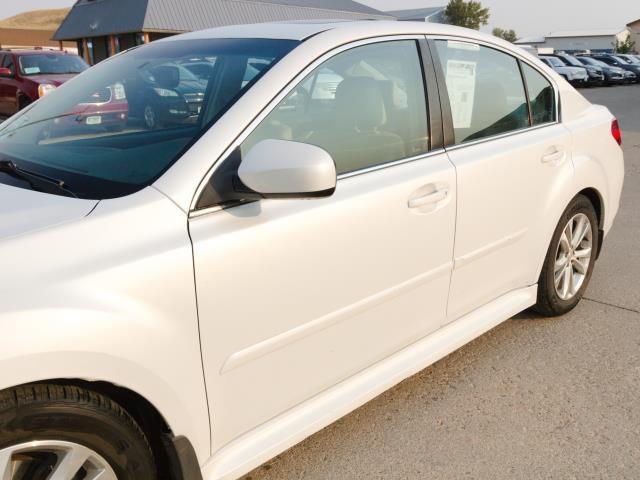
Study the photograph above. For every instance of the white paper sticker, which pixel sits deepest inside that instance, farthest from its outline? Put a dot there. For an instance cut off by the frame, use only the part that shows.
(31, 70)
(461, 83)
(473, 47)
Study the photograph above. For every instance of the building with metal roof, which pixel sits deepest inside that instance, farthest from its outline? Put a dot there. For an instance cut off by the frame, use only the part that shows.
(433, 15)
(597, 40)
(105, 27)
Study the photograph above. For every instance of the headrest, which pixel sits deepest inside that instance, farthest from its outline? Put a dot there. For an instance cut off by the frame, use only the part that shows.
(360, 103)
(167, 76)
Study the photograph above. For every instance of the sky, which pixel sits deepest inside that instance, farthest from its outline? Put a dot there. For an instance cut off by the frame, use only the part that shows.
(538, 17)
(526, 17)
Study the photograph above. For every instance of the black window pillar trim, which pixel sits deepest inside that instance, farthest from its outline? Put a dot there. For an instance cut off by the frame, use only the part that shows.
(526, 91)
(436, 134)
(445, 106)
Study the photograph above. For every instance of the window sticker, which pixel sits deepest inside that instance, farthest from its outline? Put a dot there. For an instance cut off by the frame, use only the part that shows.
(461, 83)
(31, 70)
(472, 47)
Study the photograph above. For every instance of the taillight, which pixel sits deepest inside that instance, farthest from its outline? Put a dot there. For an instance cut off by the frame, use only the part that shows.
(615, 131)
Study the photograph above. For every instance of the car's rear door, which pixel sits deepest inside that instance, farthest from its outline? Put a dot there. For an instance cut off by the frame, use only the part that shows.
(509, 158)
(295, 296)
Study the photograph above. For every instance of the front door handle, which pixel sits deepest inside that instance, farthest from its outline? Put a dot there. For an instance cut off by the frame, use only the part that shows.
(429, 199)
(554, 156)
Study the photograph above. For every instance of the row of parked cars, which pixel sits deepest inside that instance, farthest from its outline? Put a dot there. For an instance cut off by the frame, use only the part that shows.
(595, 69)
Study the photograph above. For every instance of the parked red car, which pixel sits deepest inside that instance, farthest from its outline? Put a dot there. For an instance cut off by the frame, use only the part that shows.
(26, 75)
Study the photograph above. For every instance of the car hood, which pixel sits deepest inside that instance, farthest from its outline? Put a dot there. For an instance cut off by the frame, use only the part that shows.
(56, 80)
(23, 211)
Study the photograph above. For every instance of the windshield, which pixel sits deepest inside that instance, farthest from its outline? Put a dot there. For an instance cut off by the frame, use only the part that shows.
(51, 64)
(592, 61)
(556, 62)
(572, 61)
(117, 127)
(631, 59)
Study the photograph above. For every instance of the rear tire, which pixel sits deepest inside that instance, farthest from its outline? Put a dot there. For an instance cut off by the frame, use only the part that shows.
(64, 419)
(568, 265)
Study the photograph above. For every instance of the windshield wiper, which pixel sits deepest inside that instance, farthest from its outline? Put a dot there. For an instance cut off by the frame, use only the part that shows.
(32, 178)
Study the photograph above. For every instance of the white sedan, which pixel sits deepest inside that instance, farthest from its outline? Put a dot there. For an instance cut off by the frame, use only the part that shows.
(349, 203)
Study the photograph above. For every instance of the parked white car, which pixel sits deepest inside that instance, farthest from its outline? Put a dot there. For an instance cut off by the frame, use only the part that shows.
(188, 300)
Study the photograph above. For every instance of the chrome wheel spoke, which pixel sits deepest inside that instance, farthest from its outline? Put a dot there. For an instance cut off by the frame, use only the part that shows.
(70, 460)
(579, 267)
(580, 230)
(5, 465)
(573, 256)
(560, 264)
(584, 253)
(70, 463)
(104, 475)
(565, 244)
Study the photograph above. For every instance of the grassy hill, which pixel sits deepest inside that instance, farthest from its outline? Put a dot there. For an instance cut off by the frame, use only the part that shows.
(37, 19)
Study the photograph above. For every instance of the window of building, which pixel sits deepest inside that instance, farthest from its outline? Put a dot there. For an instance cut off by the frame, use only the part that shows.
(485, 90)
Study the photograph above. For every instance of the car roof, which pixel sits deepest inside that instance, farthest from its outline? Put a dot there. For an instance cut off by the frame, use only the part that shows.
(34, 51)
(301, 30)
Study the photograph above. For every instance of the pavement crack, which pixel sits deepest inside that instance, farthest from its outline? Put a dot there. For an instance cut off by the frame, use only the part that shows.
(612, 305)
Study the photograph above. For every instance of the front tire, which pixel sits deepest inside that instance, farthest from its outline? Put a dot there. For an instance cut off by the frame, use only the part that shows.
(570, 259)
(71, 432)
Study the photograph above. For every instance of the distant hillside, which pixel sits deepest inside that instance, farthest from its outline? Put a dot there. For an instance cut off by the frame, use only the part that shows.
(37, 19)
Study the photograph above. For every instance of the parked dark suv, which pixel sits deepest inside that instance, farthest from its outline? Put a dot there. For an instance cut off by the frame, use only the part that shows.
(26, 75)
(596, 74)
(620, 63)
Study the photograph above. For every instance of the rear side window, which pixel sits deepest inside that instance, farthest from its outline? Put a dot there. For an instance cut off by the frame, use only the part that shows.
(366, 107)
(485, 89)
(541, 96)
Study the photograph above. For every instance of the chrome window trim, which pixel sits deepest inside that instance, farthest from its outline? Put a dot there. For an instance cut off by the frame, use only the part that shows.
(525, 61)
(193, 211)
(501, 136)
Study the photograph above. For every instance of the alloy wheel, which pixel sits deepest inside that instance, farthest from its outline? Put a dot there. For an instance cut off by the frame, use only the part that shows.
(53, 460)
(573, 256)
(150, 117)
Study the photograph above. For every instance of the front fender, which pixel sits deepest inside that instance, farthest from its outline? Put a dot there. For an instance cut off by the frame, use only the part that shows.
(109, 297)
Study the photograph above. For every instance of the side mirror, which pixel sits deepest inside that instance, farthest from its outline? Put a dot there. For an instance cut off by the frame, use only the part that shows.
(6, 72)
(283, 169)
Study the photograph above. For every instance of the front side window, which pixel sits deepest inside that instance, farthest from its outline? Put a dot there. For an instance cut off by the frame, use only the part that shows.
(485, 88)
(541, 96)
(8, 63)
(365, 106)
(117, 127)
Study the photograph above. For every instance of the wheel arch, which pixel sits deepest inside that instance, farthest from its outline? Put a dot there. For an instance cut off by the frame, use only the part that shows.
(174, 455)
(597, 201)
(596, 198)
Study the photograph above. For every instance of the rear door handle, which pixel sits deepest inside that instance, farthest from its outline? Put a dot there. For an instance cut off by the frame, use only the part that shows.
(555, 156)
(429, 199)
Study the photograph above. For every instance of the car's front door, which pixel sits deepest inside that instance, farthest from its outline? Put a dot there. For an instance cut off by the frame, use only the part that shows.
(295, 296)
(509, 160)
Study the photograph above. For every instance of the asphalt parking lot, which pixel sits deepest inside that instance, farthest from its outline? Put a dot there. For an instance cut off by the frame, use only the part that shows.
(534, 398)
